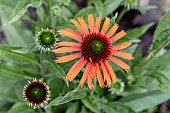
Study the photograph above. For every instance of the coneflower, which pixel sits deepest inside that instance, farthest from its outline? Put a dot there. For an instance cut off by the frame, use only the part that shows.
(36, 93)
(94, 48)
(45, 40)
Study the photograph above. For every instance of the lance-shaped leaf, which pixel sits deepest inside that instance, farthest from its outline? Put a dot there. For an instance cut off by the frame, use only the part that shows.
(72, 95)
(6, 53)
(56, 70)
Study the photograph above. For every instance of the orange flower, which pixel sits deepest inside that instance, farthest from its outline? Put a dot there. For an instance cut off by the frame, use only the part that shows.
(94, 49)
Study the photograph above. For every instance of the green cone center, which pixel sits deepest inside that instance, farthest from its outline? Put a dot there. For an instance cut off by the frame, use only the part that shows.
(97, 46)
(47, 38)
(117, 86)
(37, 93)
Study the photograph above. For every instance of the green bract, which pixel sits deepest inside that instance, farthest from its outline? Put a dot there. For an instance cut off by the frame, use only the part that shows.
(118, 87)
(46, 39)
(130, 4)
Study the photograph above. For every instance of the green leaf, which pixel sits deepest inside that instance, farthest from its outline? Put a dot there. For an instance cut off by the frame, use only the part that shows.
(133, 89)
(18, 88)
(115, 107)
(53, 86)
(99, 6)
(73, 8)
(15, 34)
(161, 35)
(168, 111)
(31, 70)
(11, 72)
(161, 82)
(109, 109)
(72, 95)
(89, 104)
(163, 25)
(67, 66)
(5, 92)
(146, 8)
(83, 12)
(83, 109)
(137, 32)
(134, 34)
(109, 6)
(30, 48)
(73, 108)
(4, 106)
(141, 101)
(66, 14)
(160, 41)
(7, 54)
(159, 63)
(8, 3)
(21, 8)
(42, 21)
(56, 70)
(21, 108)
(98, 90)
(65, 2)
(137, 58)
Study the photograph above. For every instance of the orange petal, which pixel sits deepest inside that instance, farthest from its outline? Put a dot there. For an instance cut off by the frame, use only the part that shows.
(77, 25)
(91, 22)
(112, 30)
(89, 80)
(67, 58)
(73, 44)
(94, 71)
(124, 55)
(73, 31)
(120, 63)
(105, 26)
(99, 76)
(70, 34)
(97, 24)
(83, 25)
(113, 76)
(106, 74)
(75, 69)
(121, 46)
(85, 74)
(118, 36)
(65, 49)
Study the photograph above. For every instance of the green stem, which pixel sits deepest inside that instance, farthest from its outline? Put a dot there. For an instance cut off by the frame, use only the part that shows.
(54, 21)
(41, 64)
(92, 91)
(146, 62)
(39, 110)
(42, 110)
(45, 110)
(149, 56)
(121, 15)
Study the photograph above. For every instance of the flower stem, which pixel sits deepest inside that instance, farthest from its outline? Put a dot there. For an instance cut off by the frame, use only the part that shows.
(44, 110)
(121, 15)
(41, 62)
